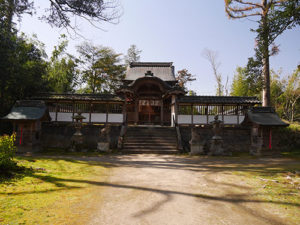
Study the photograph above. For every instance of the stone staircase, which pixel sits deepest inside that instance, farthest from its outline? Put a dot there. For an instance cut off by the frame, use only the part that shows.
(150, 139)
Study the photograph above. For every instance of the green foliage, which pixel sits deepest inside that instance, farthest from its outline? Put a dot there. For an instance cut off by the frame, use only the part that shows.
(244, 83)
(102, 70)
(22, 68)
(239, 85)
(289, 137)
(62, 70)
(192, 93)
(290, 98)
(7, 153)
(277, 89)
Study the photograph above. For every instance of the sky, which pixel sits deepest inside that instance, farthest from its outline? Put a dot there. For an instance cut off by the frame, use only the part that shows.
(176, 31)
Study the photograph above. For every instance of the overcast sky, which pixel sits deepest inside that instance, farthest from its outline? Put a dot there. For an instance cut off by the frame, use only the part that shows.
(178, 31)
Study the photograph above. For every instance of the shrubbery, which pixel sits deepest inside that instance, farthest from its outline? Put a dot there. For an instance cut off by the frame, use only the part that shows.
(289, 137)
(7, 153)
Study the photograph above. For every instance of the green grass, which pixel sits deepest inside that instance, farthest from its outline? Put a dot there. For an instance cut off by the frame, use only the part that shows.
(278, 183)
(50, 191)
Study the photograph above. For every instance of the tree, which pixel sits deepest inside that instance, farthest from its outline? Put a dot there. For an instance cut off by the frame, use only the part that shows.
(239, 86)
(192, 93)
(276, 90)
(22, 68)
(212, 57)
(133, 55)
(275, 16)
(62, 70)
(101, 69)
(59, 12)
(291, 97)
(183, 77)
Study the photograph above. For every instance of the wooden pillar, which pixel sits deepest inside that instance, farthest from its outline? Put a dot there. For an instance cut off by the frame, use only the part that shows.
(90, 113)
(270, 138)
(192, 115)
(73, 110)
(162, 112)
(222, 110)
(56, 110)
(106, 119)
(31, 132)
(176, 110)
(136, 111)
(124, 110)
(237, 112)
(206, 111)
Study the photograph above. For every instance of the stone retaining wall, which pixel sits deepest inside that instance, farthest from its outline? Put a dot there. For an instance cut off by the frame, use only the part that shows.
(58, 135)
(236, 139)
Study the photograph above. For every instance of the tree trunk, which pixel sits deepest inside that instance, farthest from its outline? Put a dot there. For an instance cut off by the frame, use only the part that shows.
(10, 14)
(266, 85)
(265, 54)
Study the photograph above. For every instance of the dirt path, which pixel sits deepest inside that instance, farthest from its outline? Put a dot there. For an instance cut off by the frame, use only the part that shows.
(166, 189)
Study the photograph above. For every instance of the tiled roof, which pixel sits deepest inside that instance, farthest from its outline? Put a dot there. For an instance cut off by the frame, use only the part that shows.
(264, 116)
(219, 100)
(162, 70)
(27, 110)
(84, 97)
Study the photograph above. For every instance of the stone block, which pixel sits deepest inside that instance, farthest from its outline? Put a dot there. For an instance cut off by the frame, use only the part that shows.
(197, 149)
(103, 146)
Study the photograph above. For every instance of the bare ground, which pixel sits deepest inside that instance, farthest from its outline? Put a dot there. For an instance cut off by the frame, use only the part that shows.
(171, 189)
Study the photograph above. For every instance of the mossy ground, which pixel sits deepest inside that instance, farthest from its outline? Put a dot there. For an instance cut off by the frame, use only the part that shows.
(276, 183)
(50, 191)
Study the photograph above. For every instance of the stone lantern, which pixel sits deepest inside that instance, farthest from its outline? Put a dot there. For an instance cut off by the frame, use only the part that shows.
(77, 138)
(216, 142)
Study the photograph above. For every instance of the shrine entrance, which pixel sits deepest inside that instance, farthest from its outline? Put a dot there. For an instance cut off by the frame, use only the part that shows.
(148, 101)
(149, 111)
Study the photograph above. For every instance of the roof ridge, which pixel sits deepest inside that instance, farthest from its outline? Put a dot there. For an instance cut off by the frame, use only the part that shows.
(157, 64)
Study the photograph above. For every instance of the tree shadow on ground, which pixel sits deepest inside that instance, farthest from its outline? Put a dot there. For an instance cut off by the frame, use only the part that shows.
(206, 165)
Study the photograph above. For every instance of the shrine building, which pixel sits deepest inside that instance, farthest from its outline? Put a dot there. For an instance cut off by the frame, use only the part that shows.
(149, 96)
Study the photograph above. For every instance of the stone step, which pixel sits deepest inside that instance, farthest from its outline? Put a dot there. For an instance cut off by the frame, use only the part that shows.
(158, 147)
(148, 151)
(151, 135)
(150, 143)
(150, 138)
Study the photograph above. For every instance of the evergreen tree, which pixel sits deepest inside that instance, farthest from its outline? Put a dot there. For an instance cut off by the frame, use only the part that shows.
(133, 55)
(274, 17)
